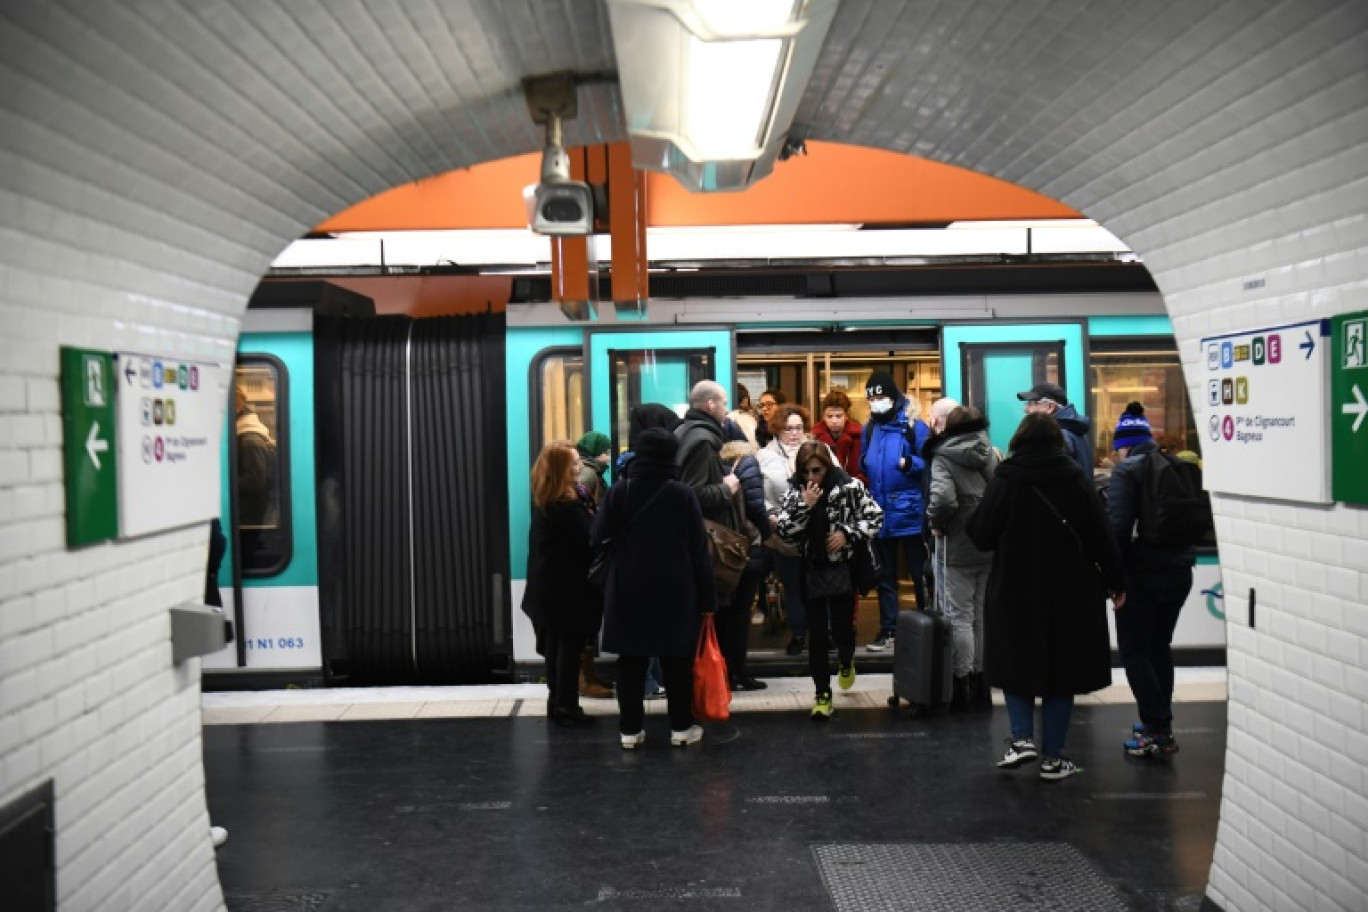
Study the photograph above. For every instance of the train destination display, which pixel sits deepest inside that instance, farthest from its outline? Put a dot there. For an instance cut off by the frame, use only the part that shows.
(1266, 429)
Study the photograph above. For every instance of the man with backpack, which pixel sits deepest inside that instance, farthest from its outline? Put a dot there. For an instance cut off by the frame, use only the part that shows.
(1158, 511)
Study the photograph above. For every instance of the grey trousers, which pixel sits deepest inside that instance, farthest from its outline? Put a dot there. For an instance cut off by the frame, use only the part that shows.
(966, 590)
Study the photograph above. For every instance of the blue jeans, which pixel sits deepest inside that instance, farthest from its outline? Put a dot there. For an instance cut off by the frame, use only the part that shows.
(1054, 720)
(1144, 633)
(913, 550)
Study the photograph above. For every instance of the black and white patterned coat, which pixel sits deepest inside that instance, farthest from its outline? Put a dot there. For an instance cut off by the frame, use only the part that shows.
(849, 508)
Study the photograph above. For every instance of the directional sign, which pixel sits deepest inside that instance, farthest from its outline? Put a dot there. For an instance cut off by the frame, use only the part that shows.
(1266, 424)
(1348, 406)
(92, 489)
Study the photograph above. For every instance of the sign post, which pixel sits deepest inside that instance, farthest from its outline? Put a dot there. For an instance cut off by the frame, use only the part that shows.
(1349, 407)
(1267, 425)
(88, 416)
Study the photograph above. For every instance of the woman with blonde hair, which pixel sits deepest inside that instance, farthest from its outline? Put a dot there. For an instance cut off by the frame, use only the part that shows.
(564, 607)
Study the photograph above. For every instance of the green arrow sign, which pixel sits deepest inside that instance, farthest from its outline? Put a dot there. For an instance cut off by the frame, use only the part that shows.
(92, 490)
(1348, 407)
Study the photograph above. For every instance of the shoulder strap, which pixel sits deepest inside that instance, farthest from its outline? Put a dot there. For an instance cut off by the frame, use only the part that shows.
(642, 508)
(1064, 522)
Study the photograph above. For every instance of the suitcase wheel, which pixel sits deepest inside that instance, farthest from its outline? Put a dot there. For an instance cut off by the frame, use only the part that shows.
(893, 701)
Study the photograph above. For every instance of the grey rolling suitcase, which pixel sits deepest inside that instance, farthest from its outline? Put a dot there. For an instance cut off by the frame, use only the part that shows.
(922, 667)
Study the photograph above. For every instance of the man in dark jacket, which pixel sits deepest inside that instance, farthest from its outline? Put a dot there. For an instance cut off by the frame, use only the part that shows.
(891, 459)
(1157, 584)
(700, 442)
(1051, 399)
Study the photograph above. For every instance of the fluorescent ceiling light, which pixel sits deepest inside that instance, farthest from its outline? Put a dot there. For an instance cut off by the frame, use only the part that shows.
(710, 87)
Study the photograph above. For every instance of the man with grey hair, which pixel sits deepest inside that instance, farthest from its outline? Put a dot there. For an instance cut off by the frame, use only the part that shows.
(936, 417)
(700, 443)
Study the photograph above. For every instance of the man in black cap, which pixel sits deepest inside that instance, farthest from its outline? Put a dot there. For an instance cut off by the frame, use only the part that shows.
(1051, 399)
(891, 458)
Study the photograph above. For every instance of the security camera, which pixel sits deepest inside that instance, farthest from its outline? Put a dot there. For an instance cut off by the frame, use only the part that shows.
(561, 206)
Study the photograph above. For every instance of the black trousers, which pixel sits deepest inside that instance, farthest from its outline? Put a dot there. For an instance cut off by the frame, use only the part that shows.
(839, 615)
(1144, 633)
(562, 652)
(631, 692)
(733, 621)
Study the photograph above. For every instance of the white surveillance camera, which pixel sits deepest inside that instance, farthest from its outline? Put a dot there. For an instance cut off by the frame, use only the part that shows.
(563, 208)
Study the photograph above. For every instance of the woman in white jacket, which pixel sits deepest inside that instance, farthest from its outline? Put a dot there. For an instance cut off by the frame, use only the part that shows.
(790, 426)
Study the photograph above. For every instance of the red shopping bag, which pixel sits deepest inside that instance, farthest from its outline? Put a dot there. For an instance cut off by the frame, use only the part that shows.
(712, 690)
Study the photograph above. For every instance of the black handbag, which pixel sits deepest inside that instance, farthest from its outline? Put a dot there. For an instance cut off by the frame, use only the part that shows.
(602, 562)
(826, 580)
(865, 566)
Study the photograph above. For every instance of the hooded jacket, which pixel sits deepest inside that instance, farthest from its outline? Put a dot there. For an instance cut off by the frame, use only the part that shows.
(1076, 428)
(846, 446)
(892, 463)
(738, 457)
(962, 465)
(700, 441)
(1124, 493)
(1045, 620)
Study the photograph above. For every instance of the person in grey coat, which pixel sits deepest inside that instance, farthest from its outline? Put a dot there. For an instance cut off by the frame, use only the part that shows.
(660, 583)
(963, 464)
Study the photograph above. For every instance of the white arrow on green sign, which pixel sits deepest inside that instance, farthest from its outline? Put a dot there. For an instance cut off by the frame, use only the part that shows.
(92, 489)
(1348, 405)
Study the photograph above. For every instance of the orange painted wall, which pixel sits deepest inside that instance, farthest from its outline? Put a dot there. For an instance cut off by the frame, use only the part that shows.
(833, 183)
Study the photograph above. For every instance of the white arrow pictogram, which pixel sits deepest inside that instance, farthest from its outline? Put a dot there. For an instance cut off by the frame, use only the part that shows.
(95, 446)
(1359, 408)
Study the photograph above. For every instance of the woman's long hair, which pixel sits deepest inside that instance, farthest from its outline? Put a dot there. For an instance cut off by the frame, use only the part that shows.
(1037, 433)
(548, 475)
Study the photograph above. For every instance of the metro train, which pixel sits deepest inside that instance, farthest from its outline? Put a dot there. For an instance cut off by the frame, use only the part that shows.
(394, 546)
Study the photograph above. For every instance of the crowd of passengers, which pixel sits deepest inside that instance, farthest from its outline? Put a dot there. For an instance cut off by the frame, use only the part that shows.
(1026, 555)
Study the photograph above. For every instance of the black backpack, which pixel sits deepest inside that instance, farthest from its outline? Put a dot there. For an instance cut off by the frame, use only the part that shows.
(1174, 510)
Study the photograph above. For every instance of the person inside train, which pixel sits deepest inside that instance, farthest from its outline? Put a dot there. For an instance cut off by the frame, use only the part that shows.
(258, 502)
(564, 607)
(594, 458)
(1055, 561)
(769, 400)
(892, 462)
(778, 460)
(962, 462)
(659, 585)
(1050, 399)
(824, 513)
(1158, 580)
(733, 625)
(841, 432)
(744, 415)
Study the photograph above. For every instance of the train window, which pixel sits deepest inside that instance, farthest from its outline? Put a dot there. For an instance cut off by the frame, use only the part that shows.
(1151, 375)
(649, 375)
(994, 372)
(557, 396)
(261, 465)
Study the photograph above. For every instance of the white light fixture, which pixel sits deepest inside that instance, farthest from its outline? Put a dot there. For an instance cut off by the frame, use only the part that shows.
(710, 87)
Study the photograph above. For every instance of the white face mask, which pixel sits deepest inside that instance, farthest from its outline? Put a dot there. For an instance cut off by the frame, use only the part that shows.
(879, 406)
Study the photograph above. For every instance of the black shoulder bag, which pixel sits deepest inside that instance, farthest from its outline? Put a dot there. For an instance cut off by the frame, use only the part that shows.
(602, 563)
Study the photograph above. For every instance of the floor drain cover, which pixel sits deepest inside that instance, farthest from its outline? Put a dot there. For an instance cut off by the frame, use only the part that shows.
(972, 877)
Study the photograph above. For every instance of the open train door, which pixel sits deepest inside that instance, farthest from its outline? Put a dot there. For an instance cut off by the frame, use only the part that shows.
(986, 365)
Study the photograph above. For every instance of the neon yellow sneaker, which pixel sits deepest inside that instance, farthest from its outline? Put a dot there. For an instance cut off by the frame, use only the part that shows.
(846, 676)
(821, 708)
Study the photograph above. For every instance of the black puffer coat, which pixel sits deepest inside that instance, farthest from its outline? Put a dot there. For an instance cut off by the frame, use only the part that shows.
(1046, 617)
(662, 577)
(559, 597)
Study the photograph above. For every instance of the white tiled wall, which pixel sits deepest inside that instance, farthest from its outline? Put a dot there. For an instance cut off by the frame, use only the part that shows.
(155, 157)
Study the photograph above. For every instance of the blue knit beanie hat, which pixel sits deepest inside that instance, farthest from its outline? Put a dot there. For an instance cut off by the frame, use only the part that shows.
(1133, 427)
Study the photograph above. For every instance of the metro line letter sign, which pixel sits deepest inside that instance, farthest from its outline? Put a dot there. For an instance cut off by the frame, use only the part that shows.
(90, 458)
(1349, 407)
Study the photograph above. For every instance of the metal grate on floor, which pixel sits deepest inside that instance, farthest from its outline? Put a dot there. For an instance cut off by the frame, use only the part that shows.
(963, 877)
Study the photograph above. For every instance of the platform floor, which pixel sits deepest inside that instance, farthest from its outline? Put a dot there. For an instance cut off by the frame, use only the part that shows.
(434, 807)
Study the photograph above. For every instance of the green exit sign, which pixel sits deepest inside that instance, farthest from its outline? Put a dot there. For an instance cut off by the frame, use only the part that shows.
(92, 487)
(1349, 407)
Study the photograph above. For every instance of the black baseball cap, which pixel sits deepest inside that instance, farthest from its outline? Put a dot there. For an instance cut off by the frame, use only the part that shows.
(1051, 391)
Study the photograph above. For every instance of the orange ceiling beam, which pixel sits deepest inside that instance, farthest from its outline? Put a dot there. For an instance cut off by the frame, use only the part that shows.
(833, 183)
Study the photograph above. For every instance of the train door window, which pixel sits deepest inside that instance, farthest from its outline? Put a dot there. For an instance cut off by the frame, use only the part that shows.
(995, 372)
(261, 464)
(651, 375)
(557, 396)
(1148, 372)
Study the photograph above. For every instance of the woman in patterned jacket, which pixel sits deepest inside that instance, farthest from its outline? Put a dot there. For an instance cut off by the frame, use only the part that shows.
(824, 513)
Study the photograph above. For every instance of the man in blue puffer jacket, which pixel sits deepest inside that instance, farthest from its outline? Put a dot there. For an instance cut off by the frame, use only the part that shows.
(892, 461)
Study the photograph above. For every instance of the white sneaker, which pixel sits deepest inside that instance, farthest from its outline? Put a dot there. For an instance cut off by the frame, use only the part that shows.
(218, 836)
(632, 742)
(691, 735)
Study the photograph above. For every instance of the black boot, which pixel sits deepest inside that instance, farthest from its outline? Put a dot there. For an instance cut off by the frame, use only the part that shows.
(959, 696)
(981, 694)
(574, 716)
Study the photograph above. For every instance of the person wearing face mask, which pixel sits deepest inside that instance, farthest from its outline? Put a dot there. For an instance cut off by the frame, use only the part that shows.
(893, 464)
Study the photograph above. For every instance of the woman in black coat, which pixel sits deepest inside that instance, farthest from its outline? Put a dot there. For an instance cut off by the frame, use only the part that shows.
(565, 609)
(1054, 564)
(660, 582)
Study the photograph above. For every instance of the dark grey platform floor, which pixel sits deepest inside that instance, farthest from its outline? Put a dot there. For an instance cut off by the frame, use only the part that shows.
(770, 811)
